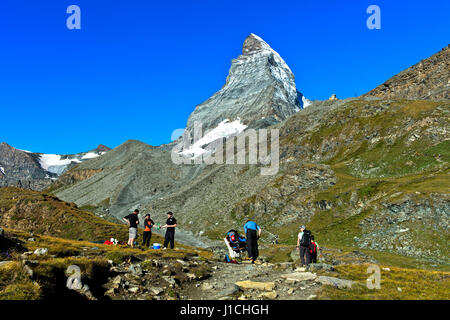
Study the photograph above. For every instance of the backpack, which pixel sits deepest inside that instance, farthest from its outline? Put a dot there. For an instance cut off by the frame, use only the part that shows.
(306, 238)
(313, 248)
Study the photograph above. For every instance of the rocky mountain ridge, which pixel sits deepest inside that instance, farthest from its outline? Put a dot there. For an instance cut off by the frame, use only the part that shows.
(38, 171)
(429, 79)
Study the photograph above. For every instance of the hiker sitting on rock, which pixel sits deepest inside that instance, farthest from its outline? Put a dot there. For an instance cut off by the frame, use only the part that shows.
(250, 229)
(133, 221)
(304, 243)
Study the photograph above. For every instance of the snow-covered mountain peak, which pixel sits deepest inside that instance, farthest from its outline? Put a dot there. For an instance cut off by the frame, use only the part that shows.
(259, 85)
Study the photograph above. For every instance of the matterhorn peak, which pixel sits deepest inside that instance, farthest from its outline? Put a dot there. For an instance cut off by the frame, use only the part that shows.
(253, 44)
(260, 90)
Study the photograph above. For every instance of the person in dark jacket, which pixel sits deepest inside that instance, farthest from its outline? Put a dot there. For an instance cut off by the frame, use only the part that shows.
(252, 232)
(170, 225)
(147, 236)
(303, 244)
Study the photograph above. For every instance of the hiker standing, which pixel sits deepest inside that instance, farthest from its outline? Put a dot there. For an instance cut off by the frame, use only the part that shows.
(304, 243)
(147, 236)
(170, 225)
(252, 232)
(133, 221)
(314, 249)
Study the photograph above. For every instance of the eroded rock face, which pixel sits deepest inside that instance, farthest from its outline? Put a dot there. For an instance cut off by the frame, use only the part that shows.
(21, 169)
(37, 171)
(428, 79)
(260, 89)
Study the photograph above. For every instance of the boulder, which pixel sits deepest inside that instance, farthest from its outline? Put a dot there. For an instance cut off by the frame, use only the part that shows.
(135, 269)
(230, 290)
(335, 282)
(41, 251)
(263, 286)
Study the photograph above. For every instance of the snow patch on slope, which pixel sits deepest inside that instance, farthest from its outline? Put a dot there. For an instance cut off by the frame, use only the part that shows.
(90, 155)
(223, 130)
(306, 102)
(54, 164)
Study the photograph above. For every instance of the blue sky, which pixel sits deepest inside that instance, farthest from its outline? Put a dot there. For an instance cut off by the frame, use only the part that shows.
(137, 69)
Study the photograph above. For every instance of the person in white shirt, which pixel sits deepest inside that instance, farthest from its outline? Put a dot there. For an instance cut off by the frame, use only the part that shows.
(305, 256)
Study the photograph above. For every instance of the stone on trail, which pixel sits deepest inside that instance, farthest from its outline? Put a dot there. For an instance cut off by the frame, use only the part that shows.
(299, 276)
(229, 291)
(269, 295)
(335, 282)
(264, 286)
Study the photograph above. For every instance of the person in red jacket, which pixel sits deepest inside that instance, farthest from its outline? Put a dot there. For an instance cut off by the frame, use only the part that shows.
(314, 248)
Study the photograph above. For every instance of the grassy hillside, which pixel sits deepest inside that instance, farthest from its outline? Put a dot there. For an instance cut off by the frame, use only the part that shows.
(44, 214)
(367, 174)
(362, 173)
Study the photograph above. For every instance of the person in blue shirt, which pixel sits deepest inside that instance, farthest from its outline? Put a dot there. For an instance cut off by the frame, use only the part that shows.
(252, 232)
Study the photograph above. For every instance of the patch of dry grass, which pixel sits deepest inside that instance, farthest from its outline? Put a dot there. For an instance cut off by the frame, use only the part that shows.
(396, 284)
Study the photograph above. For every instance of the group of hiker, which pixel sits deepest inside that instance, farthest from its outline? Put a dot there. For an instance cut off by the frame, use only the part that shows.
(306, 244)
(133, 221)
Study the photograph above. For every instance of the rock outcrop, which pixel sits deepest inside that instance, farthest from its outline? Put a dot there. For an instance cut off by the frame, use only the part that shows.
(37, 171)
(428, 79)
(22, 169)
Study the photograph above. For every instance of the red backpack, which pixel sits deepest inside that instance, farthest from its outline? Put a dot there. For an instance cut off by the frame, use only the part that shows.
(313, 247)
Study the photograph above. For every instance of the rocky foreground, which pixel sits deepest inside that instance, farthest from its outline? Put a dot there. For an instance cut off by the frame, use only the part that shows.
(42, 267)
